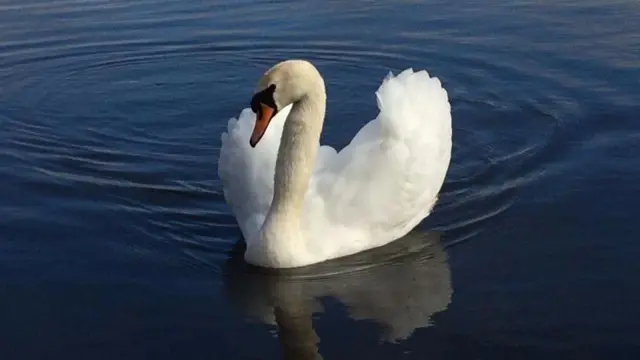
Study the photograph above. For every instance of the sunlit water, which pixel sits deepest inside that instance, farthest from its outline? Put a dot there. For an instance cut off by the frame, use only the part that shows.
(116, 243)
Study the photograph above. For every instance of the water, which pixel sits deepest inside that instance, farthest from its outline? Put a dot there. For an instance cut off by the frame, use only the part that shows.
(116, 242)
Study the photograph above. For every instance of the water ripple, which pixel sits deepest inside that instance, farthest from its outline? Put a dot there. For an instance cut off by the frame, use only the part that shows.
(122, 103)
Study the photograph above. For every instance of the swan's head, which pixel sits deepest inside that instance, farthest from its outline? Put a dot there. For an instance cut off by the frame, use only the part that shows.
(285, 83)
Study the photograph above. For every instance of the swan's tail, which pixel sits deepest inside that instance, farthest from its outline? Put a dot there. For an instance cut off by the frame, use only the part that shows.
(388, 178)
(413, 106)
(415, 131)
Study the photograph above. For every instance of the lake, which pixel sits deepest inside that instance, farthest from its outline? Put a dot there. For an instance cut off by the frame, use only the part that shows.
(116, 242)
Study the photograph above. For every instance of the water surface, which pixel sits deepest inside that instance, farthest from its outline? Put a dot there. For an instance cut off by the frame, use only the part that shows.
(115, 241)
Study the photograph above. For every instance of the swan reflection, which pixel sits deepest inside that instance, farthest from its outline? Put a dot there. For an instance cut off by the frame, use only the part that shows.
(399, 286)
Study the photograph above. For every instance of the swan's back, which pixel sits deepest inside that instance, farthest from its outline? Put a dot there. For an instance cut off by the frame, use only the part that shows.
(387, 179)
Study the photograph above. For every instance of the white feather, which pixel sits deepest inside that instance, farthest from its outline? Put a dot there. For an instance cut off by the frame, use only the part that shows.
(371, 192)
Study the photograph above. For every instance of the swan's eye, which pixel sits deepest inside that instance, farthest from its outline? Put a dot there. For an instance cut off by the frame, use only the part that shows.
(265, 97)
(255, 104)
(268, 97)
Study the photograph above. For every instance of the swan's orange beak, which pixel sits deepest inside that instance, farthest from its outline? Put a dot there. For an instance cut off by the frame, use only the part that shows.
(263, 117)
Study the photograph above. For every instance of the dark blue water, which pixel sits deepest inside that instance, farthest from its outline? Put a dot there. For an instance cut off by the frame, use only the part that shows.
(116, 243)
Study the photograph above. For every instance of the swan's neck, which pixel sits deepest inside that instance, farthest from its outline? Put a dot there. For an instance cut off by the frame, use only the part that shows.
(296, 155)
(282, 243)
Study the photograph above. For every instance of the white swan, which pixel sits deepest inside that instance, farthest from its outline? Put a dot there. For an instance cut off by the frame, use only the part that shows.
(299, 203)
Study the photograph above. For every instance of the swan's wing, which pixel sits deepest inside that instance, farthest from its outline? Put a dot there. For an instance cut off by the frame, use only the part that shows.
(247, 173)
(387, 179)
